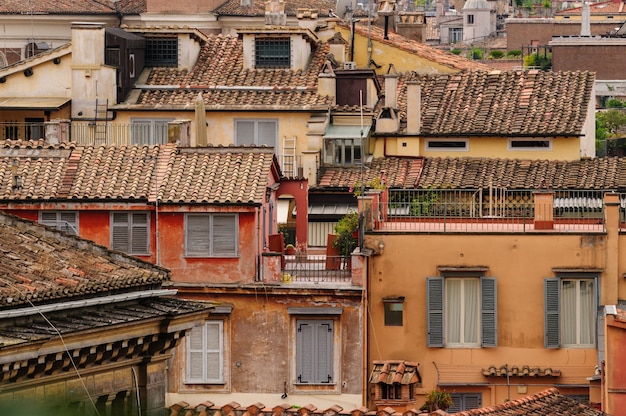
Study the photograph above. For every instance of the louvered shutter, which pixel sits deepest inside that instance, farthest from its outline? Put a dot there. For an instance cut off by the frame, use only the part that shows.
(48, 218)
(324, 352)
(472, 401)
(244, 132)
(314, 351)
(304, 352)
(435, 304)
(213, 351)
(195, 355)
(139, 233)
(68, 222)
(552, 323)
(224, 235)
(119, 233)
(489, 311)
(197, 242)
(267, 133)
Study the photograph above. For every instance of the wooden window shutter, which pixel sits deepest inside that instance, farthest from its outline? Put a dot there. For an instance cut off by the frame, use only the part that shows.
(139, 233)
(195, 359)
(68, 222)
(224, 235)
(552, 323)
(197, 241)
(314, 351)
(213, 351)
(119, 234)
(489, 311)
(324, 352)
(304, 353)
(434, 304)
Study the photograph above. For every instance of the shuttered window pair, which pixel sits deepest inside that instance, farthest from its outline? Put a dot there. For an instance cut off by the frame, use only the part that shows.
(570, 312)
(314, 351)
(465, 401)
(130, 232)
(211, 235)
(66, 221)
(205, 349)
(462, 311)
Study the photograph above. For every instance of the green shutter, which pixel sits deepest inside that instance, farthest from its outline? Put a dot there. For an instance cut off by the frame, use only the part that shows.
(434, 302)
(489, 311)
(552, 327)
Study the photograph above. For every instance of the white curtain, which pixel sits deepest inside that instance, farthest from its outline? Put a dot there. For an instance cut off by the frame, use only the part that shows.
(577, 312)
(587, 315)
(568, 312)
(462, 313)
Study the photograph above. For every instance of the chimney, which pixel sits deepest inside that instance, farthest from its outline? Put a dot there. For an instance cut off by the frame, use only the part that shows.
(307, 18)
(585, 26)
(391, 90)
(413, 107)
(275, 13)
(327, 83)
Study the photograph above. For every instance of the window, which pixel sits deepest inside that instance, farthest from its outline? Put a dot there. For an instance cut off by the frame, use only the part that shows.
(256, 132)
(149, 131)
(343, 152)
(314, 351)
(205, 349)
(34, 128)
(470, 19)
(465, 401)
(521, 144)
(447, 144)
(391, 391)
(130, 232)
(272, 53)
(162, 52)
(393, 311)
(462, 311)
(66, 221)
(455, 34)
(570, 312)
(211, 235)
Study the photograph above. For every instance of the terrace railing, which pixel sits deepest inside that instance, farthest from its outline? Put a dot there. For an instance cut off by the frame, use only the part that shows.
(317, 268)
(488, 210)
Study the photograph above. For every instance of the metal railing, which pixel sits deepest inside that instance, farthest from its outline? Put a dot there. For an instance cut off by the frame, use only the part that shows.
(304, 268)
(486, 210)
(13, 130)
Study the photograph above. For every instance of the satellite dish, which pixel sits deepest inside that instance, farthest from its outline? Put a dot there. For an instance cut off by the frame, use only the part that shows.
(345, 9)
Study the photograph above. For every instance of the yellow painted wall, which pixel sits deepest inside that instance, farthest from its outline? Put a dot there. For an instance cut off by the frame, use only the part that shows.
(520, 262)
(384, 55)
(563, 148)
(48, 80)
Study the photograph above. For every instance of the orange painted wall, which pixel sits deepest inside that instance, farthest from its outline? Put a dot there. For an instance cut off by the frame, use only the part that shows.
(615, 366)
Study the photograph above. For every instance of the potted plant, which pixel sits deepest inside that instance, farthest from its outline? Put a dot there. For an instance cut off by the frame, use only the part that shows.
(346, 234)
(290, 250)
(437, 400)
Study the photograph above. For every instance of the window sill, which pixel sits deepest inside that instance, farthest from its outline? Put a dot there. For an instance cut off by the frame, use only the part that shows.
(205, 383)
(315, 384)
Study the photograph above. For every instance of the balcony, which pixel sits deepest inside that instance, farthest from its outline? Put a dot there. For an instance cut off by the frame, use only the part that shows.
(486, 210)
(309, 267)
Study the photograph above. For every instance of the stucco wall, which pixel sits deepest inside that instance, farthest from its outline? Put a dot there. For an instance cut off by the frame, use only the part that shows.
(606, 60)
(521, 32)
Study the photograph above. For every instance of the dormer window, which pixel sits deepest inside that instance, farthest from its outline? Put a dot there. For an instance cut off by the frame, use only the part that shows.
(272, 52)
(162, 51)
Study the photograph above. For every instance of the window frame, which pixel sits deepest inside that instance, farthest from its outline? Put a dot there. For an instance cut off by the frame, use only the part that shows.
(430, 142)
(455, 34)
(514, 148)
(256, 132)
(210, 249)
(162, 51)
(470, 19)
(336, 151)
(463, 398)
(151, 126)
(133, 229)
(321, 360)
(393, 317)
(553, 326)
(271, 52)
(488, 311)
(59, 222)
(205, 351)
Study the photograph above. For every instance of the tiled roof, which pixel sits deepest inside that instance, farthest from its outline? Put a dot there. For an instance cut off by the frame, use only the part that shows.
(395, 371)
(520, 371)
(57, 7)
(127, 7)
(531, 103)
(41, 265)
(473, 173)
(234, 7)
(612, 7)
(224, 83)
(211, 175)
(549, 401)
(420, 49)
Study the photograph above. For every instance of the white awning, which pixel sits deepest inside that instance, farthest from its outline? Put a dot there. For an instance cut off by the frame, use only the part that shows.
(33, 103)
(334, 131)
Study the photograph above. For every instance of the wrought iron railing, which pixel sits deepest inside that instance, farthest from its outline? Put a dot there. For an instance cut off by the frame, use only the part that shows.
(309, 268)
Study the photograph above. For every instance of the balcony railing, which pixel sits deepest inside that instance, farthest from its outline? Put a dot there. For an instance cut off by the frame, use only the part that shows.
(13, 130)
(317, 268)
(487, 210)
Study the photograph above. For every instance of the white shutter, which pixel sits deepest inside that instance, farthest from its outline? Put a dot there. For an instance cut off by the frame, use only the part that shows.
(195, 355)
(205, 353)
(266, 133)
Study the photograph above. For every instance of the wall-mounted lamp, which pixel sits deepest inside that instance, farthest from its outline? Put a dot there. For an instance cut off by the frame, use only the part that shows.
(3, 80)
(381, 247)
(28, 72)
(56, 61)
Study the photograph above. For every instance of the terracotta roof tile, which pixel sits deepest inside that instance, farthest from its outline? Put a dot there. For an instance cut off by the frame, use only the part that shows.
(612, 7)
(58, 7)
(473, 173)
(224, 83)
(395, 371)
(530, 103)
(41, 265)
(420, 49)
(210, 175)
(234, 7)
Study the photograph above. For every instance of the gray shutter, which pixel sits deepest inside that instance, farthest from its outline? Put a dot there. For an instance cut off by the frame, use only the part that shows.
(139, 233)
(195, 365)
(457, 403)
(472, 401)
(244, 132)
(552, 322)
(224, 235)
(489, 311)
(324, 335)
(197, 238)
(434, 304)
(119, 233)
(304, 352)
(214, 353)
(266, 133)
(68, 222)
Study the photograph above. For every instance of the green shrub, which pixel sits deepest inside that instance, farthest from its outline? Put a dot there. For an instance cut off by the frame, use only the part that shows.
(496, 54)
(456, 51)
(476, 53)
(514, 53)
